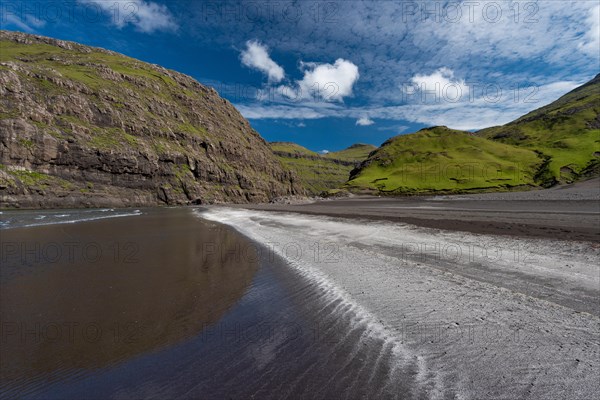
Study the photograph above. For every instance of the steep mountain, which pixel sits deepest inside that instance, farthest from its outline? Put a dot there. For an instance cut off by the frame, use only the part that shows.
(439, 159)
(83, 126)
(321, 173)
(565, 133)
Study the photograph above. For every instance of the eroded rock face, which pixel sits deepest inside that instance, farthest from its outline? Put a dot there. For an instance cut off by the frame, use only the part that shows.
(83, 127)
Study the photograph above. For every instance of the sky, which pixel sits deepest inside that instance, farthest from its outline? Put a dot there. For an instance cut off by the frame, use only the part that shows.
(328, 74)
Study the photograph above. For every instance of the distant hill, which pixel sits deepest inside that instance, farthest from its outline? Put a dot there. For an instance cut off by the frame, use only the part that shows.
(440, 159)
(355, 153)
(557, 143)
(292, 149)
(320, 173)
(82, 126)
(565, 133)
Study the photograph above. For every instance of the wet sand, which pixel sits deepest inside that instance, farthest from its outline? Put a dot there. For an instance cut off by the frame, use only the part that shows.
(570, 212)
(484, 316)
(353, 301)
(165, 304)
(86, 296)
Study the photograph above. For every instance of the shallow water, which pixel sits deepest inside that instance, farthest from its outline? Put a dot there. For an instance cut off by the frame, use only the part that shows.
(164, 304)
(30, 218)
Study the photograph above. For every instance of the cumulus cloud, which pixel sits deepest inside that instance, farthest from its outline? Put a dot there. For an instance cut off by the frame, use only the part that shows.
(324, 82)
(256, 56)
(323, 151)
(364, 121)
(440, 85)
(548, 41)
(145, 16)
(390, 45)
(591, 43)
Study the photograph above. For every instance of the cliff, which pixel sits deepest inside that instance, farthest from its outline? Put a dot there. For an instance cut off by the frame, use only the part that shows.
(85, 127)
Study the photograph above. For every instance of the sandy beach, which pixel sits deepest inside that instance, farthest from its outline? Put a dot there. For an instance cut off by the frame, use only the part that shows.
(161, 303)
(502, 305)
(569, 212)
(352, 298)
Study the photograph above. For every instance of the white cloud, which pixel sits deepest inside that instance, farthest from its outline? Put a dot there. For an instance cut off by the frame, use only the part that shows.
(256, 56)
(146, 16)
(479, 113)
(364, 121)
(591, 43)
(393, 128)
(258, 111)
(535, 32)
(472, 114)
(439, 86)
(323, 151)
(390, 45)
(548, 41)
(324, 82)
(27, 24)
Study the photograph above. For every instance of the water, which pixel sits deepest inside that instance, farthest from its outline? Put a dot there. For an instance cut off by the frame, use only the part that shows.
(30, 218)
(164, 304)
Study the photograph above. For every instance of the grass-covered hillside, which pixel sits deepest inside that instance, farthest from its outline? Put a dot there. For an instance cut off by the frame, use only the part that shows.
(444, 160)
(355, 153)
(320, 173)
(557, 143)
(565, 133)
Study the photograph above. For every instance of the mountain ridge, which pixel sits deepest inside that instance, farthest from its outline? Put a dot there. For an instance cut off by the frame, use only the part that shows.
(83, 126)
(554, 144)
(564, 133)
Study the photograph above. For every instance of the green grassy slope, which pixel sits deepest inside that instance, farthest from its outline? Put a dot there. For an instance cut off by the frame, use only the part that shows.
(355, 153)
(320, 173)
(444, 160)
(557, 143)
(566, 133)
(292, 149)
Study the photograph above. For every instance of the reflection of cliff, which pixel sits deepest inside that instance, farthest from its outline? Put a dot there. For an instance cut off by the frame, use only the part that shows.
(184, 276)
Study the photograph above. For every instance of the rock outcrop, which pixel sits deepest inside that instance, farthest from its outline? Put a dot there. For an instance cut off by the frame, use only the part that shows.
(85, 127)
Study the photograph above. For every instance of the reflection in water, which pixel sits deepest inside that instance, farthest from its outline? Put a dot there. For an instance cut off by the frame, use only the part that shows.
(80, 297)
(171, 306)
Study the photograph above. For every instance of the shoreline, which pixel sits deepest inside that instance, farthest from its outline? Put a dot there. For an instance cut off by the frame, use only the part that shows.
(475, 326)
(483, 227)
(569, 212)
(398, 307)
(185, 303)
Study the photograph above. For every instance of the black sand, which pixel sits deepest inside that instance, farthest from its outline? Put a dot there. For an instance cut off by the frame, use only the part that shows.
(568, 212)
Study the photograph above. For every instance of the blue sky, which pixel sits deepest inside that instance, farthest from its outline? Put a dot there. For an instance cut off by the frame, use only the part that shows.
(327, 74)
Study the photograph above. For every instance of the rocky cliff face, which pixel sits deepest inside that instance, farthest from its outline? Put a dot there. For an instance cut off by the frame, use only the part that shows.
(83, 127)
